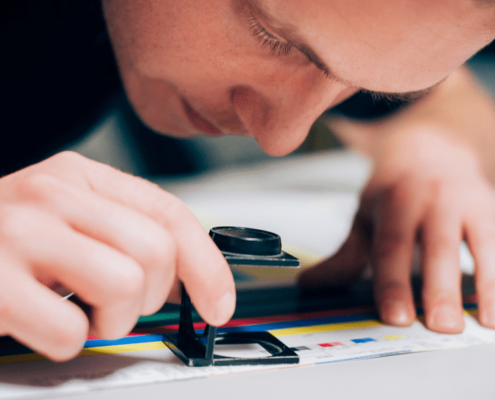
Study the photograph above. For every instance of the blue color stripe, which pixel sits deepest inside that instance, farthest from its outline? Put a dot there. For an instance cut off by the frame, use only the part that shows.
(251, 328)
(10, 351)
(127, 340)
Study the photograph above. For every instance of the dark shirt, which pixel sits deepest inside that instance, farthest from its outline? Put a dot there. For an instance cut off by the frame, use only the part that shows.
(57, 72)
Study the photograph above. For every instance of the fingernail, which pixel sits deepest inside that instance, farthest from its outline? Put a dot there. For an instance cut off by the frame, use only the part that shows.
(446, 318)
(224, 309)
(487, 316)
(396, 312)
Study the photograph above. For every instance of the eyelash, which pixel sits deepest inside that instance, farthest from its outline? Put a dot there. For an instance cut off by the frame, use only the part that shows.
(396, 98)
(266, 39)
(277, 46)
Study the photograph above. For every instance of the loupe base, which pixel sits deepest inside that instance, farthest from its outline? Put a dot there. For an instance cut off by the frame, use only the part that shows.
(198, 351)
(194, 353)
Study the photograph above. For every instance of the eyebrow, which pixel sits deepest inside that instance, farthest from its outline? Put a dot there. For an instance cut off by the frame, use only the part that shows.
(285, 33)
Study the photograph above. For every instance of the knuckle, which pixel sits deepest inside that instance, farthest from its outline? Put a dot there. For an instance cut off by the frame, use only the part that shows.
(111, 333)
(37, 186)
(47, 191)
(398, 194)
(483, 237)
(130, 282)
(15, 225)
(71, 336)
(220, 282)
(174, 295)
(387, 242)
(161, 251)
(391, 288)
(485, 287)
(433, 295)
(69, 339)
(176, 209)
(5, 309)
(67, 158)
(439, 190)
(121, 330)
(443, 244)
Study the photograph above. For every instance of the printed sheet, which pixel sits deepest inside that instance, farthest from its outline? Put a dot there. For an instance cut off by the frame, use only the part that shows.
(143, 357)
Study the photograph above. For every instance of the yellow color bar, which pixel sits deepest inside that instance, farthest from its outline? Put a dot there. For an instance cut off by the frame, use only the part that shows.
(394, 337)
(122, 348)
(325, 328)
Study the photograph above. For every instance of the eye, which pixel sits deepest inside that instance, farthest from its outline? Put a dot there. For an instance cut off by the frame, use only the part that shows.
(266, 39)
(276, 45)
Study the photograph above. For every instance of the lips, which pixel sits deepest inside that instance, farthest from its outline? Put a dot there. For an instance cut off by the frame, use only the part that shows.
(201, 124)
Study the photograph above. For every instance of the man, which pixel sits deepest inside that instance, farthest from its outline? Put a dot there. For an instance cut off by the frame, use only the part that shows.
(268, 69)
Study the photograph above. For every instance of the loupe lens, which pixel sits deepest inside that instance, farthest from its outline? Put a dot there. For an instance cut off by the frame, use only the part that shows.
(240, 240)
(246, 233)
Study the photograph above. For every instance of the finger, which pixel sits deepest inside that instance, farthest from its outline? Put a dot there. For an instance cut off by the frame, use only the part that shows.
(175, 294)
(343, 267)
(442, 300)
(200, 265)
(3, 330)
(480, 236)
(111, 282)
(396, 221)
(122, 228)
(60, 327)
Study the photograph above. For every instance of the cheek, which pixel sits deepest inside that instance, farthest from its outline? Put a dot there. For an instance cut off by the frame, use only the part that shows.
(157, 104)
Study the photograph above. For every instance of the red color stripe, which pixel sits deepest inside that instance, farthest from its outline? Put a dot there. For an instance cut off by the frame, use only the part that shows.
(262, 320)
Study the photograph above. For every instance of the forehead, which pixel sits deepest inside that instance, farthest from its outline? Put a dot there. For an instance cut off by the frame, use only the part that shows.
(385, 45)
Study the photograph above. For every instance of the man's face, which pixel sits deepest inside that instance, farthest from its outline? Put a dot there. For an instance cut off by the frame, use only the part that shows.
(269, 68)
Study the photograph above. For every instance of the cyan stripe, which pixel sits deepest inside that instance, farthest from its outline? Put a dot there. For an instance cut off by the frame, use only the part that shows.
(127, 340)
(251, 328)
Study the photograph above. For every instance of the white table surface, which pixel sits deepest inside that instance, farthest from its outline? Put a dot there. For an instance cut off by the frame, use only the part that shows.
(452, 374)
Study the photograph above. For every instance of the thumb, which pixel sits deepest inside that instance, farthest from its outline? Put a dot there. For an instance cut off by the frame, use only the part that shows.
(345, 265)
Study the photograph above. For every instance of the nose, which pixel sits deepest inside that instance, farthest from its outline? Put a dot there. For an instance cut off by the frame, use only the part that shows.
(280, 119)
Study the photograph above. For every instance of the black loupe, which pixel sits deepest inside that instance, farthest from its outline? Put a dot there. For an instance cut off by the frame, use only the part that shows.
(240, 247)
(251, 247)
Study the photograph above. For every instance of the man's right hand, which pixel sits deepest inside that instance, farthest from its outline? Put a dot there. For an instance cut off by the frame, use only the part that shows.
(121, 243)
